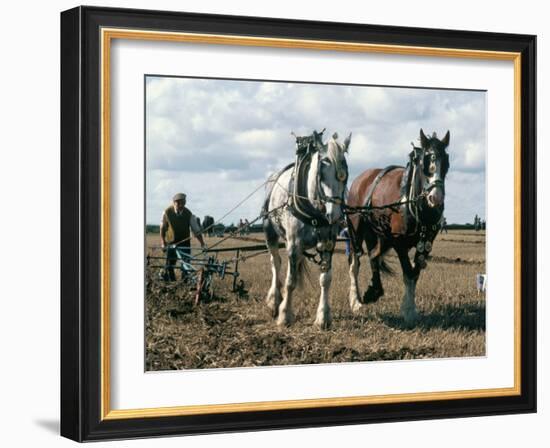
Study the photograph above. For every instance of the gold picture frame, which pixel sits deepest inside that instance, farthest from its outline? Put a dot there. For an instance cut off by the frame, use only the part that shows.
(97, 420)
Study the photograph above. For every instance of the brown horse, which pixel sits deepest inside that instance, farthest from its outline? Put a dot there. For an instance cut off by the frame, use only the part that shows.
(399, 208)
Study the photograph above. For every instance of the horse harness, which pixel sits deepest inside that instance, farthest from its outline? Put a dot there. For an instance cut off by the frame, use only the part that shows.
(411, 199)
(299, 204)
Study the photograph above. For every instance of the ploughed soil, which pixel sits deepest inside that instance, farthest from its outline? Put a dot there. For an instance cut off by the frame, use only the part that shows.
(237, 330)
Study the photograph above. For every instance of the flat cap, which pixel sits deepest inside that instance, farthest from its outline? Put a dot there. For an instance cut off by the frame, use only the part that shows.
(179, 197)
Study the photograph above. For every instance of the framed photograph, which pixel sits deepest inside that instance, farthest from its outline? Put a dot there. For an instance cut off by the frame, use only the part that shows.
(274, 223)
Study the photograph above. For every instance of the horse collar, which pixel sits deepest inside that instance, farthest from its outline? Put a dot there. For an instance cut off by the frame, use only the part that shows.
(300, 206)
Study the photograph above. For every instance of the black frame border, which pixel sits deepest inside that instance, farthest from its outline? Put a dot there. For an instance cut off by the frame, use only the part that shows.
(81, 223)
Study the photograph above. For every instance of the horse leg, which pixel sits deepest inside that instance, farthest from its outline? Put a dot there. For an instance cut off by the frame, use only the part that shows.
(356, 249)
(274, 298)
(374, 290)
(286, 316)
(354, 265)
(410, 277)
(323, 318)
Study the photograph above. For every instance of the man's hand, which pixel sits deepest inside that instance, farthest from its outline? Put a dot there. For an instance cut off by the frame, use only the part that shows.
(200, 239)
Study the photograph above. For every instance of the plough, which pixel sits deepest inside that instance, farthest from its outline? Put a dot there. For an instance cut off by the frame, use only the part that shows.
(198, 270)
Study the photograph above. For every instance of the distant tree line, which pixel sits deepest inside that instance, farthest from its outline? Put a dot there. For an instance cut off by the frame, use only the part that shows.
(466, 226)
(257, 228)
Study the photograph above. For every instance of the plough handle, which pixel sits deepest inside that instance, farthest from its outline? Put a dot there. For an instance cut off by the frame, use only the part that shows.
(236, 274)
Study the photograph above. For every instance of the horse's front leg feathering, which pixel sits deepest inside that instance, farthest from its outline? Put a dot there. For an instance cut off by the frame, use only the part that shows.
(295, 258)
(323, 318)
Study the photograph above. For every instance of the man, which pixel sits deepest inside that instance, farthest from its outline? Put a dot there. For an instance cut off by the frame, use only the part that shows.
(344, 233)
(174, 231)
(444, 225)
(476, 223)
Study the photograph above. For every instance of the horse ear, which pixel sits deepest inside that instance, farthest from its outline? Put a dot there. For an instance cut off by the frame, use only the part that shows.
(446, 139)
(347, 141)
(423, 138)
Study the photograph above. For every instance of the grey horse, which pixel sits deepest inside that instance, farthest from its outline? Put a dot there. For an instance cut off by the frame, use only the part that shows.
(303, 206)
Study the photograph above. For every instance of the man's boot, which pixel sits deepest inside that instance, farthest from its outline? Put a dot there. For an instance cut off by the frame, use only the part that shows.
(171, 274)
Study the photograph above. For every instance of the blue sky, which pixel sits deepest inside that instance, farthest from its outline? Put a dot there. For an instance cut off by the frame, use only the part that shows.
(218, 140)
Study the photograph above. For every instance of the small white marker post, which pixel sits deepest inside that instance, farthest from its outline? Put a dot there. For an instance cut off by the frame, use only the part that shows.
(481, 283)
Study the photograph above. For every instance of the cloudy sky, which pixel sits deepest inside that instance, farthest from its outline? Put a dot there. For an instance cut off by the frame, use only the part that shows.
(218, 140)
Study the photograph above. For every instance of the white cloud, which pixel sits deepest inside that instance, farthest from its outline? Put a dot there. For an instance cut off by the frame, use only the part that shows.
(218, 139)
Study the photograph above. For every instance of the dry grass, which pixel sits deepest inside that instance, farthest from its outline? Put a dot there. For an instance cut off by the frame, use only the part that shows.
(233, 331)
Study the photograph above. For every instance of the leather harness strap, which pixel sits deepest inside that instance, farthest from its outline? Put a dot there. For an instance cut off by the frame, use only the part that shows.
(273, 180)
(381, 174)
(299, 206)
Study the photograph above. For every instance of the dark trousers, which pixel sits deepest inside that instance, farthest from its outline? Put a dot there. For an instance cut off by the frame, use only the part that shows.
(172, 258)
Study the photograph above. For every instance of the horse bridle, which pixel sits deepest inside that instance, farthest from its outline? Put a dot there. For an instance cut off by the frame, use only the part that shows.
(416, 158)
(339, 200)
(425, 232)
(435, 183)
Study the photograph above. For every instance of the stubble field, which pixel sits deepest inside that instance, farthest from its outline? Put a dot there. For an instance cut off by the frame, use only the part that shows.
(233, 330)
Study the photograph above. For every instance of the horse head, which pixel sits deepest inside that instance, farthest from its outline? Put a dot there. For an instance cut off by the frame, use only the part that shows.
(434, 165)
(332, 176)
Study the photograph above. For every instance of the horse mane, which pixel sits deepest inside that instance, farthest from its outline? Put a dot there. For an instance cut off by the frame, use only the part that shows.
(333, 150)
(335, 153)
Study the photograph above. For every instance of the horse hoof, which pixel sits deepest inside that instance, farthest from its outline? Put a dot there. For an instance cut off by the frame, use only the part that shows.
(274, 309)
(372, 295)
(285, 319)
(274, 312)
(273, 305)
(323, 323)
(410, 318)
(355, 306)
